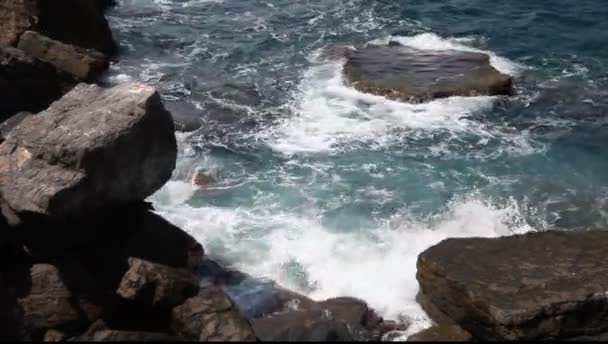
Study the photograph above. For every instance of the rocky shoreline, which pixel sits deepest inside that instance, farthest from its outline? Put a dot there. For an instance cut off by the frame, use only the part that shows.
(85, 258)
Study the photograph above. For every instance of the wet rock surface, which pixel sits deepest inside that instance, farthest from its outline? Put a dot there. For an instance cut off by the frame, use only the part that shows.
(537, 286)
(442, 333)
(401, 73)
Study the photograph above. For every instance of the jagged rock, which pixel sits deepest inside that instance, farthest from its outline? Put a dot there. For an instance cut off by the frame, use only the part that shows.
(61, 300)
(156, 284)
(83, 64)
(441, 333)
(54, 336)
(78, 22)
(407, 74)
(339, 319)
(537, 286)
(26, 83)
(211, 316)
(93, 148)
(134, 336)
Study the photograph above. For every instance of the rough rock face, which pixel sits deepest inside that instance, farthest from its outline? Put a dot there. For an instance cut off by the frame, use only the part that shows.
(26, 83)
(157, 285)
(83, 64)
(442, 333)
(133, 336)
(211, 316)
(549, 285)
(340, 319)
(93, 148)
(55, 300)
(406, 74)
(78, 22)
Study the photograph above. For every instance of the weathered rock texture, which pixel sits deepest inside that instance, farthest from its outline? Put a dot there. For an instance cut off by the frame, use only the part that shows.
(538, 286)
(442, 333)
(26, 83)
(83, 64)
(407, 74)
(211, 316)
(157, 285)
(77, 22)
(93, 148)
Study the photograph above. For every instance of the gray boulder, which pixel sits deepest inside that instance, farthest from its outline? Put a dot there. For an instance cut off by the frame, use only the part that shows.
(93, 148)
(211, 316)
(82, 64)
(77, 22)
(407, 74)
(156, 284)
(537, 286)
(26, 83)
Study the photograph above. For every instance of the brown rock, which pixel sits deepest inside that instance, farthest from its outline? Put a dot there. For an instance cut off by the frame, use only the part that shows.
(538, 286)
(445, 333)
(54, 336)
(134, 336)
(93, 148)
(58, 300)
(26, 83)
(83, 64)
(156, 284)
(211, 316)
(77, 22)
(406, 74)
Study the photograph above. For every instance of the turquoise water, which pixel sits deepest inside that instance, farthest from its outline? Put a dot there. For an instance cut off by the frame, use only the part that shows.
(333, 192)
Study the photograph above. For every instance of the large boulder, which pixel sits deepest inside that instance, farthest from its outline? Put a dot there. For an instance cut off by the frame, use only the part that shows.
(77, 22)
(157, 285)
(211, 316)
(407, 74)
(82, 64)
(537, 286)
(93, 148)
(339, 319)
(57, 299)
(26, 83)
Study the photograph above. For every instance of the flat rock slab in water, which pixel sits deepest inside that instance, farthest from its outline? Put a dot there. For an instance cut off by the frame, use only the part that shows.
(548, 285)
(407, 74)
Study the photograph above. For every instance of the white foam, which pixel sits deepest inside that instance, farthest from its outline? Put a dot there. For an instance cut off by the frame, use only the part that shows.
(377, 265)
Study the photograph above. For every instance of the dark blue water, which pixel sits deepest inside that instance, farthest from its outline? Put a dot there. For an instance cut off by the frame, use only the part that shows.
(333, 192)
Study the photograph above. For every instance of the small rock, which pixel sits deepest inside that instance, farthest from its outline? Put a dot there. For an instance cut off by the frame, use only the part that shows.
(92, 149)
(156, 284)
(211, 316)
(202, 179)
(442, 333)
(54, 336)
(82, 64)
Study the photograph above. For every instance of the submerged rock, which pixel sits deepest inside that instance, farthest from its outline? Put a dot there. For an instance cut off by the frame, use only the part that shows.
(82, 64)
(77, 22)
(537, 286)
(93, 148)
(26, 83)
(211, 316)
(407, 74)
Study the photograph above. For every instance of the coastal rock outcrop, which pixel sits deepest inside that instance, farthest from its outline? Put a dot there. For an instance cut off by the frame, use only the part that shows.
(537, 286)
(26, 83)
(211, 316)
(402, 73)
(77, 22)
(93, 148)
(82, 64)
